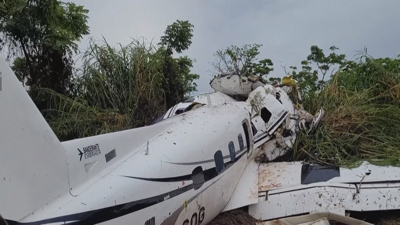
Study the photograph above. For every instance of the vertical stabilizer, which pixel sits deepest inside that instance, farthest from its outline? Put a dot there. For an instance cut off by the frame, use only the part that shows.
(33, 168)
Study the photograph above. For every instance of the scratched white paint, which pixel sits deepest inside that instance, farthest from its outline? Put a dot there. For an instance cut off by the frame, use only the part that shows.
(75, 177)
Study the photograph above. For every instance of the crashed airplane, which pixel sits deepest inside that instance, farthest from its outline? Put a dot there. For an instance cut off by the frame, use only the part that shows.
(194, 162)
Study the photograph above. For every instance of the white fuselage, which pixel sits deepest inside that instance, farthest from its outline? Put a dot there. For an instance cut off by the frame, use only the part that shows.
(185, 169)
(182, 170)
(185, 173)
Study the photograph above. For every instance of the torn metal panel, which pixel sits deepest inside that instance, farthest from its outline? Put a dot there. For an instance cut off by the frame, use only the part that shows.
(267, 112)
(246, 192)
(214, 99)
(276, 147)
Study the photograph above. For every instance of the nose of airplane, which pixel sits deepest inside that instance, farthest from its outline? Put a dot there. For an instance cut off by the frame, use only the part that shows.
(216, 83)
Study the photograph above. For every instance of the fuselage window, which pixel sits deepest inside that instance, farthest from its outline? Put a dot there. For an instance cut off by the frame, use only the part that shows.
(232, 152)
(198, 177)
(219, 162)
(265, 114)
(246, 133)
(241, 144)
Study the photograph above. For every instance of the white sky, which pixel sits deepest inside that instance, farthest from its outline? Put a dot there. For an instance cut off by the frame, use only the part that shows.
(286, 28)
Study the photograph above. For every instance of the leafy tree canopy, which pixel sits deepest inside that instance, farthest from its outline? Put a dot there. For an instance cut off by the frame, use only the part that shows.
(178, 36)
(42, 36)
(178, 81)
(241, 60)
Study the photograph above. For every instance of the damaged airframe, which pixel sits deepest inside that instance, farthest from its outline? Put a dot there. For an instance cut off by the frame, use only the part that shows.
(196, 161)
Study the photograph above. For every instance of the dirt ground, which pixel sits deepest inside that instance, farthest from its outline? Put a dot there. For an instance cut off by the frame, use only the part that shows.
(235, 217)
(240, 217)
(389, 221)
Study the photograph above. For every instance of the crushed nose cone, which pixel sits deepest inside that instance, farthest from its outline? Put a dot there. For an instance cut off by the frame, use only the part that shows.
(215, 83)
(232, 84)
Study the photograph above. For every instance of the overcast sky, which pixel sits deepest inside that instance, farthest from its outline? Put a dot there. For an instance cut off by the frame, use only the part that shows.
(285, 28)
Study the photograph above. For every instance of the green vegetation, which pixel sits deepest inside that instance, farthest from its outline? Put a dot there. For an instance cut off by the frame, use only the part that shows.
(128, 86)
(116, 88)
(361, 100)
(41, 36)
(242, 60)
(362, 109)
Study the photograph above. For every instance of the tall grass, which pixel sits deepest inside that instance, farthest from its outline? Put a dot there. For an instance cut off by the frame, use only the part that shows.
(362, 119)
(118, 89)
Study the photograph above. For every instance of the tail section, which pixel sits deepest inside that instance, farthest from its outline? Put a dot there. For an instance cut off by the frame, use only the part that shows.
(33, 167)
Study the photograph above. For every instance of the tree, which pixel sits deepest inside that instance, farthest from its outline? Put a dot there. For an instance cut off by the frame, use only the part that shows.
(41, 35)
(308, 77)
(365, 73)
(184, 64)
(323, 62)
(177, 36)
(178, 80)
(241, 60)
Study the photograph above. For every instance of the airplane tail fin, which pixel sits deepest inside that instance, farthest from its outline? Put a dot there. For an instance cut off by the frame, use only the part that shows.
(33, 165)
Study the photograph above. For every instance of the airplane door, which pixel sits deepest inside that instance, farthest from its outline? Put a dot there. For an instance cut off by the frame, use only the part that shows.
(249, 137)
(267, 114)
